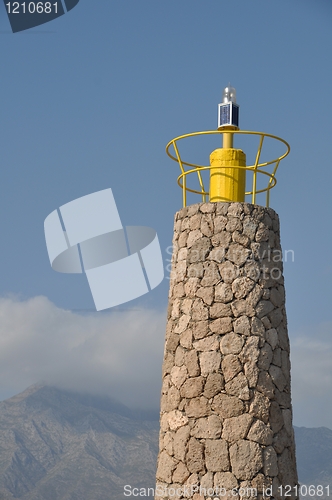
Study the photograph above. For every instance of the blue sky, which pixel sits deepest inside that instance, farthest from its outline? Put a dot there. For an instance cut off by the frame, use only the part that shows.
(90, 100)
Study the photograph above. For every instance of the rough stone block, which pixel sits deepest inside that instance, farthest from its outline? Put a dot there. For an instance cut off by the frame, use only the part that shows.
(186, 339)
(168, 363)
(276, 317)
(242, 286)
(179, 356)
(216, 455)
(200, 311)
(209, 362)
(254, 296)
(277, 297)
(249, 228)
(246, 459)
(221, 240)
(214, 384)
(182, 324)
(260, 433)
(220, 310)
(200, 329)
(281, 441)
(180, 441)
(260, 407)
(223, 293)
(172, 342)
(190, 287)
(276, 418)
(192, 364)
(225, 480)
(233, 224)
(195, 222)
(221, 326)
(287, 474)
(242, 239)
(265, 357)
(180, 474)
(195, 456)
(265, 384)
(195, 236)
(257, 327)
(207, 481)
(235, 209)
(241, 307)
(206, 293)
(277, 377)
(270, 462)
(231, 366)
(285, 365)
(207, 344)
(192, 387)
(250, 351)
(220, 222)
(287, 417)
(207, 228)
(227, 406)
(178, 375)
(228, 271)
(166, 466)
(236, 428)
(264, 307)
(251, 373)
(283, 338)
(207, 428)
(168, 443)
(238, 386)
(197, 407)
(272, 338)
(176, 419)
(237, 254)
(241, 325)
(173, 399)
(262, 233)
(231, 343)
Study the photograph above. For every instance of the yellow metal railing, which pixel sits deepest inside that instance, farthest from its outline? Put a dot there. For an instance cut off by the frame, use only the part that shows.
(255, 169)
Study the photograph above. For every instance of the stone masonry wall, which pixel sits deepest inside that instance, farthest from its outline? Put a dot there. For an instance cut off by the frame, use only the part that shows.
(226, 416)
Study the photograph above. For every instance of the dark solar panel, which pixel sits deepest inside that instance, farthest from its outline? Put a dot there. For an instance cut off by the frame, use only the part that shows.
(225, 114)
(235, 115)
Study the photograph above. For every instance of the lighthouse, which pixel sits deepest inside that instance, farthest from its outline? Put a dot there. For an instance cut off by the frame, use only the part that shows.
(226, 414)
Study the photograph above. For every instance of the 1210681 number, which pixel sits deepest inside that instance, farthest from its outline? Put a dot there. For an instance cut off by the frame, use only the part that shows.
(32, 7)
(303, 490)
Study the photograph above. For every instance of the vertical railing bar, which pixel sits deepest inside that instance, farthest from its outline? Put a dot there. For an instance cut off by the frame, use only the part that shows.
(200, 180)
(270, 182)
(254, 180)
(184, 184)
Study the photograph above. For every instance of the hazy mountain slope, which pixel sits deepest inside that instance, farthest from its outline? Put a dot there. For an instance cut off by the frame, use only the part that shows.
(314, 455)
(54, 446)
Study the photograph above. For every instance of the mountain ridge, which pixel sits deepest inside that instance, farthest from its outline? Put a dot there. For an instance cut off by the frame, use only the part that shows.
(52, 446)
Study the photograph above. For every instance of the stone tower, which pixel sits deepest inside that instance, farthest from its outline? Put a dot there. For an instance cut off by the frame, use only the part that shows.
(226, 416)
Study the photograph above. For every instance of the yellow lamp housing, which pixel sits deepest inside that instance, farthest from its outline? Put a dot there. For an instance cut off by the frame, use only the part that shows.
(227, 181)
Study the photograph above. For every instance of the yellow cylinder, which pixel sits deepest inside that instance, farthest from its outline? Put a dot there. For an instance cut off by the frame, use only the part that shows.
(227, 184)
(227, 140)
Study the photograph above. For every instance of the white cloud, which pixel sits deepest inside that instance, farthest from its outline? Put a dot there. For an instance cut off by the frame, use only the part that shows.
(118, 353)
(311, 356)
